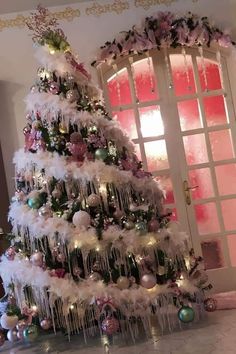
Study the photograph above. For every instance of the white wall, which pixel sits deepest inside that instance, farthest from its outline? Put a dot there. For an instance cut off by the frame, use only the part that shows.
(86, 34)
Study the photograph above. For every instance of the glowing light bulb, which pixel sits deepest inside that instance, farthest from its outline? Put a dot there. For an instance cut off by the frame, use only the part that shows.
(72, 307)
(34, 308)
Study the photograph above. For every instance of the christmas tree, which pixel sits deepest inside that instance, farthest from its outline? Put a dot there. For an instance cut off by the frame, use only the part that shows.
(92, 247)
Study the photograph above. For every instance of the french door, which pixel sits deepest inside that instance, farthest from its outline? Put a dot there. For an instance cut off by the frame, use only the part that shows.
(177, 108)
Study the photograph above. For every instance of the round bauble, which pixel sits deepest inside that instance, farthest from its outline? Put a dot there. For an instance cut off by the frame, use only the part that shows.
(93, 200)
(148, 281)
(30, 333)
(81, 219)
(186, 314)
(45, 211)
(8, 322)
(75, 138)
(63, 128)
(46, 324)
(129, 225)
(161, 270)
(54, 88)
(10, 253)
(95, 276)
(12, 335)
(37, 259)
(141, 228)
(210, 304)
(153, 225)
(35, 201)
(21, 325)
(122, 283)
(101, 154)
(110, 325)
(2, 339)
(72, 95)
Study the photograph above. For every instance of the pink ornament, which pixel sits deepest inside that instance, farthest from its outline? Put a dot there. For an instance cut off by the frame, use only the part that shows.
(20, 335)
(21, 325)
(148, 281)
(110, 325)
(46, 324)
(153, 225)
(77, 150)
(54, 88)
(37, 259)
(10, 253)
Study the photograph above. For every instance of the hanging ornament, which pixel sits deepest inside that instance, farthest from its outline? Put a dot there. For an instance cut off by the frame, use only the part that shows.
(210, 304)
(10, 253)
(161, 270)
(2, 338)
(63, 128)
(37, 259)
(45, 211)
(8, 322)
(43, 73)
(46, 324)
(153, 225)
(95, 276)
(31, 333)
(186, 314)
(35, 200)
(129, 225)
(141, 228)
(101, 154)
(12, 335)
(110, 325)
(123, 283)
(81, 219)
(54, 88)
(93, 200)
(72, 95)
(21, 325)
(148, 281)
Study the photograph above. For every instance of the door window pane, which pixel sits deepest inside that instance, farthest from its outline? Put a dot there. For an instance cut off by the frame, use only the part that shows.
(213, 81)
(189, 115)
(207, 219)
(226, 179)
(166, 184)
(212, 254)
(202, 179)
(232, 249)
(195, 149)
(144, 80)
(229, 213)
(221, 145)
(214, 108)
(118, 88)
(156, 155)
(182, 73)
(127, 122)
(151, 121)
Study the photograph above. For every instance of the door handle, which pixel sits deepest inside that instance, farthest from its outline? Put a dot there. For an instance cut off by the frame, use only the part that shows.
(187, 190)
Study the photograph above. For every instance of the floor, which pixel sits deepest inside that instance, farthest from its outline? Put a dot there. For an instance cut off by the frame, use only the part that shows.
(214, 335)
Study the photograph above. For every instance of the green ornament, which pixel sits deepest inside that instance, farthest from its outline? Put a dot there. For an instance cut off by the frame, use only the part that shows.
(31, 333)
(101, 154)
(35, 202)
(186, 314)
(141, 228)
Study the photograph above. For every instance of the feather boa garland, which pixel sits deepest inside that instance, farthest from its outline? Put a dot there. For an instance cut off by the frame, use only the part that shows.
(28, 221)
(50, 106)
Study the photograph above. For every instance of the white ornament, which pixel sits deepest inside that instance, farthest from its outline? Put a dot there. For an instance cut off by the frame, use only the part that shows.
(12, 335)
(8, 322)
(123, 283)
(81, 219)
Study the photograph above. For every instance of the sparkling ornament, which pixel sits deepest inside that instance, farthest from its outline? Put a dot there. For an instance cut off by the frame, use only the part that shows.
(94, 276)
(81, 219)
(21, 325)
(76, 138)
(63, 128)
(93, 200)
(122, 283)
(210, 304)
(8, 322)
(46, 324)
(45, 211)
(148, 281)
(110, 325)
(54, 88)
(43, 73)
(92, 129)
(153, 225)
(129, 225)
(12, 335)
(186, 314)
(101, 154)
(161, 270)
(10, 253)
(141, 228)
(72, 95)
(31, 333)
(2, 339)
(37, 259)
(35, 201)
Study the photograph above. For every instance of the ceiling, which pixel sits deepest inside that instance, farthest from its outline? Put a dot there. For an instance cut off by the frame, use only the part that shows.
(8, 6)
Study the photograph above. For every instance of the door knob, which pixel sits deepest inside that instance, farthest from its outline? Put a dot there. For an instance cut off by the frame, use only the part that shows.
(187, 189)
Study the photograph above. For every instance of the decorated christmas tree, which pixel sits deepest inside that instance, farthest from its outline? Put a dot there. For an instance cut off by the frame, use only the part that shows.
(92, 247)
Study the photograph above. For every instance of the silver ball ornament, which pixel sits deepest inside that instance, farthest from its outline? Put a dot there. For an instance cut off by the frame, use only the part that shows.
(93, 200)
(94, 276)
(148, 281)
(46, 324)
(37, 259)
(81, 219)
(12, 335)
(123, 283)
(31, 333)
(45, 211)
(101, 154)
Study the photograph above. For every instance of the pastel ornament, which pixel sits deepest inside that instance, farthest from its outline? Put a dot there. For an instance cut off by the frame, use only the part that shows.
(12, 335)
(37, 259)
(81, 219)
(93, 200)
(8, 322)
(148, 281)
(123, 283)
(46, 324)
(110, 325)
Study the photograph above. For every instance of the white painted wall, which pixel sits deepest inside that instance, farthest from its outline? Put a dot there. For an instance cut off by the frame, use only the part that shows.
(86, 34)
